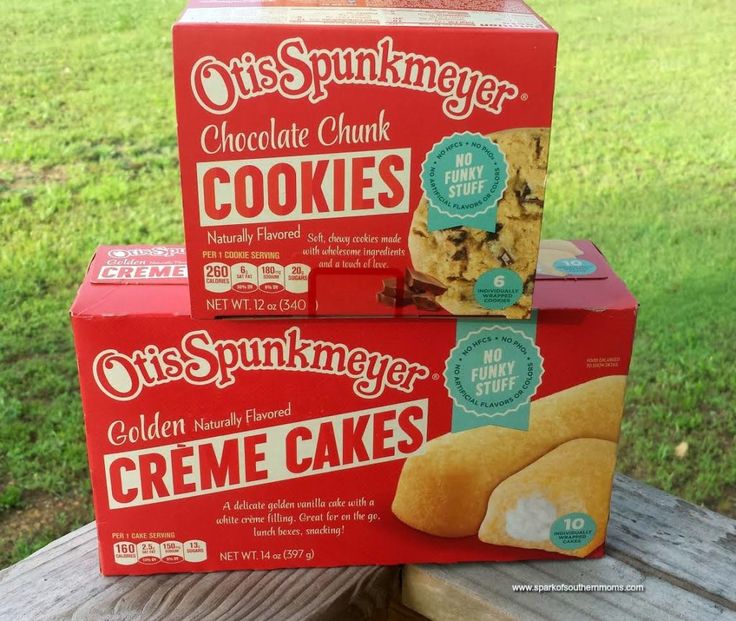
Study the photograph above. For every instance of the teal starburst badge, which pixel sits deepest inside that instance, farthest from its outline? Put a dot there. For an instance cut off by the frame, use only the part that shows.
(492, 374)
(464, 176)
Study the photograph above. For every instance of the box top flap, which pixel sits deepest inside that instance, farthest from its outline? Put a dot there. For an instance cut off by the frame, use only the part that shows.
(132, 280)
(504, 14)
(574, 274)
(138, 265)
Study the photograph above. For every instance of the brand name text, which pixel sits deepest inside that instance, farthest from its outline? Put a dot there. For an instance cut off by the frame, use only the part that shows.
(202, 360)
(297, 72)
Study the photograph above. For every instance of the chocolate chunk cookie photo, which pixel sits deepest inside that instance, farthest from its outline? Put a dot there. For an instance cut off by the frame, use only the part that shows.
(460, 255)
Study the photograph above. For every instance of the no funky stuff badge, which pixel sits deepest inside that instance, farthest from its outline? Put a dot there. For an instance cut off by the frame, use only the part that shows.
(464, 176)
(491, 375)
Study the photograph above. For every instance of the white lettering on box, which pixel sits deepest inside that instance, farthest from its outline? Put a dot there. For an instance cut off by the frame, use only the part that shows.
(334, 185)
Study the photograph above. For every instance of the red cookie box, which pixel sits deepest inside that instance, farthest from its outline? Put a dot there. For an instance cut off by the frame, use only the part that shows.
(299, 185)
(265, 443)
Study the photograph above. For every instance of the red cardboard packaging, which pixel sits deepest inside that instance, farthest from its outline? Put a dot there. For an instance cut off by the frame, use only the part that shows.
(362, 158)
(287, 442)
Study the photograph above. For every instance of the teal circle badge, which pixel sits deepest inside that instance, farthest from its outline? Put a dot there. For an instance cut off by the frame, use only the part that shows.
(575, 267)
(464, 175)
(572, 531)
(497, 289)
(493, 371)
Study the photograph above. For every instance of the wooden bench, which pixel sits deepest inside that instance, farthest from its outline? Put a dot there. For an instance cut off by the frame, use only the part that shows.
(685, 556)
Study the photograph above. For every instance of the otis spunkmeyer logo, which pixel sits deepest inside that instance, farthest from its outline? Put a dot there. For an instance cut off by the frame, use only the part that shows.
(296, 72)
(155, 251)
(202, 360)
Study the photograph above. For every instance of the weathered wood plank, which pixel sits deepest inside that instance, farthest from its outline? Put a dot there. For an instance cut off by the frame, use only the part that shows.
(683, 554)
(687, 544)
(399, 612)
(62, 581)
(484, 591)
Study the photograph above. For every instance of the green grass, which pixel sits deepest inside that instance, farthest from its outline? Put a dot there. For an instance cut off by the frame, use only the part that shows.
(643, 162)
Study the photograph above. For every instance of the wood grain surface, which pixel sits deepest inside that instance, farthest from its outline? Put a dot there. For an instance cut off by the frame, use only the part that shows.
(62, 581)
(684, 555)
(667, 536)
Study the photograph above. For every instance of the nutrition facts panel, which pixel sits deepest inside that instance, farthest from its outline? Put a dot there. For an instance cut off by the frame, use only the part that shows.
(151, 552)
(248, 278)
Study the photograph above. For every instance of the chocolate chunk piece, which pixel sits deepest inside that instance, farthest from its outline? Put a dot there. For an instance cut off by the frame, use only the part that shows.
(392, 296)
(457, 237)
(506, 257)
(425, 301)
(526, 197)
(460, 255)
(493, 235)
(418, 289)
(538, 147)
(391, 301)
(420, 282)
(390, 287)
